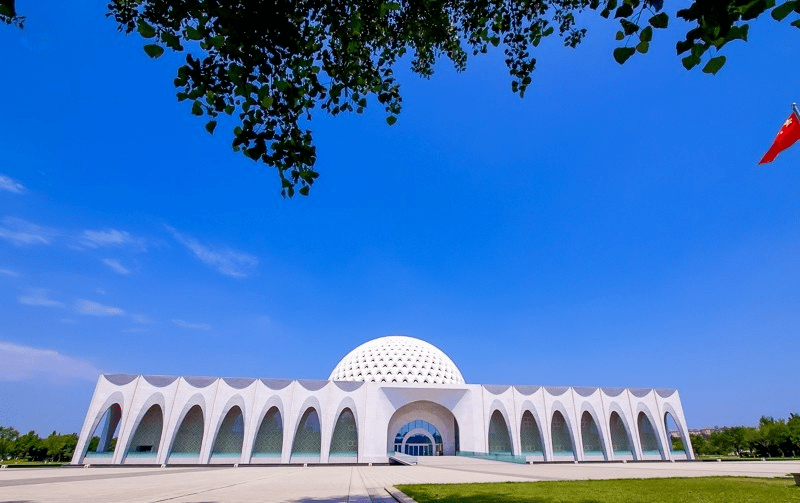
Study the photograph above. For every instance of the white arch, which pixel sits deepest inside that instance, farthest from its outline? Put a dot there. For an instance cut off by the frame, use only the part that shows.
(196, 399)
(687, 444)
(418, 431)
(311, 402)
(541, 423)
(498, 406)
(434, 413)
(587, 407)
(615, 408)
(115, 398)
(125, 438)
(345, 403)
(249, 444)
(557, 406)
(642, 408)
(235, 400)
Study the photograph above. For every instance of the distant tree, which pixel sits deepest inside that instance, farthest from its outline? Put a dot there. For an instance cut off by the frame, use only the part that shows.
(699, 444)
(29, 447)
(60, 447)
(8, 437)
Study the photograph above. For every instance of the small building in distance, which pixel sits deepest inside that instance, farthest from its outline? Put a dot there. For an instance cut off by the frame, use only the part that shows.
(392, 397)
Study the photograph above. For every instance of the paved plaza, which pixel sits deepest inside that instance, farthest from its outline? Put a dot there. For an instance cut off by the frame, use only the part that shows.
(324, 484)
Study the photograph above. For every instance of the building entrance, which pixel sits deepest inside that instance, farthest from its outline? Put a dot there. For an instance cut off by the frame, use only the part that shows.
(419, 438)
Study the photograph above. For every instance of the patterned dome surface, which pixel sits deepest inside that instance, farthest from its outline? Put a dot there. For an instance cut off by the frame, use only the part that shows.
(397, 358)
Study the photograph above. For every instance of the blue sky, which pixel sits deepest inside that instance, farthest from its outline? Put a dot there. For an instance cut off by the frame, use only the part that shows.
(609, 229)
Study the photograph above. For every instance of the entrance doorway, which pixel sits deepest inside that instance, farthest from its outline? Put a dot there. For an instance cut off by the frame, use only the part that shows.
(419, 438)
(422, 428)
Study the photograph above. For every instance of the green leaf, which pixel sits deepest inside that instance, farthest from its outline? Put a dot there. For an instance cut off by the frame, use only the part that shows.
(738, 33)
(779, 13)
(153, 50)
(6, 10)
(282, 85)
(391, 120)
(197, 108)
(171, 41)
(303, 191)
(646, 35)
(146, 30)
(210, 126)
(628, 27)
(624, 11)
(642, 47)
(193, 33)
(660, 20)
(683, 46)
(621, 54)
(620, 35)
(266, 101)
(714, 65)
(690, 61)
(796, 23)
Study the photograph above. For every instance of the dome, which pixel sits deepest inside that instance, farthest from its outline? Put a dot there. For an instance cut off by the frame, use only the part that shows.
(397, 358)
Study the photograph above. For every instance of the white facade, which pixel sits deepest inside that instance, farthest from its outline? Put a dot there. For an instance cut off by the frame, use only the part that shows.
(200, 420)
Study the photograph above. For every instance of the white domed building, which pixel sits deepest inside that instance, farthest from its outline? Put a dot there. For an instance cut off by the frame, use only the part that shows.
(393, 398)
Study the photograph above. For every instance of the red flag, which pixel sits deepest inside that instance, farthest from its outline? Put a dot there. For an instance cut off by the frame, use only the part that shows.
(789, 133)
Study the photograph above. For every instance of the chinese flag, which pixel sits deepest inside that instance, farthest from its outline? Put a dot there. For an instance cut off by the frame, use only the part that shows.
(789, 133)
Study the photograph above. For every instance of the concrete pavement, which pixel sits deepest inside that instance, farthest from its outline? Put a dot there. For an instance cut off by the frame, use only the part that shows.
(323, 484)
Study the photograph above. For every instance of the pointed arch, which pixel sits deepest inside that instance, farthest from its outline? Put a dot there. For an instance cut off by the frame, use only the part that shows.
(648, 438)
(499, 437)
(675, 436)
(530, 436)
(269, 439)
(108, 426)
(561, 436)
(146, 438)
(590, 436)
(621, 441)
(230, 436)
(189, 437)
(308, 437)
(344, 441)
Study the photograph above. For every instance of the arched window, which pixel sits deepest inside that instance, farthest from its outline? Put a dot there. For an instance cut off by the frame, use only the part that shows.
(308, 437)
(104, 437)
(344, 442)
(269, 439)
(590, 434)
(620, 441)
(647, 436)
(560, 436)
(499, 439)
(230, 436)
(529, 435)
(189, 438)
(147, 437)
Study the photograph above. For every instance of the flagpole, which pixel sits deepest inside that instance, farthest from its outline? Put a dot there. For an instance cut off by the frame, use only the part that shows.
(796, 111)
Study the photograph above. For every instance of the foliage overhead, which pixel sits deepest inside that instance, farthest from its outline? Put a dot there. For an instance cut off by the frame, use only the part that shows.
(271, 63)
(8, 13)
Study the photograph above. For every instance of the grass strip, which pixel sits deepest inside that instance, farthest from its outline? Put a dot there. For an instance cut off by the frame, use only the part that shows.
(667, 490)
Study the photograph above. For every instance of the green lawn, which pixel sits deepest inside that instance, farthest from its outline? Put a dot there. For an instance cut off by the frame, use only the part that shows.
(674, 490)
